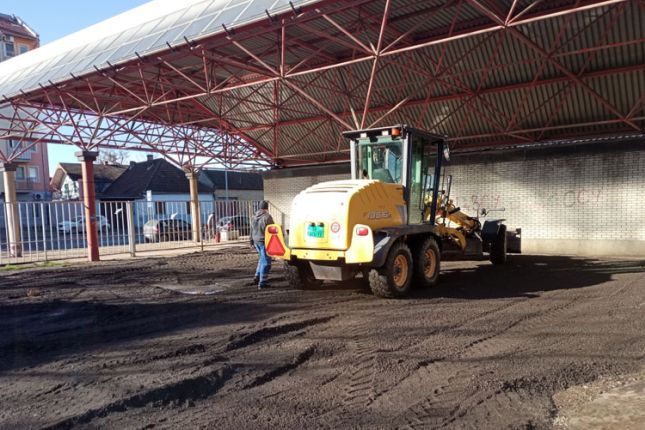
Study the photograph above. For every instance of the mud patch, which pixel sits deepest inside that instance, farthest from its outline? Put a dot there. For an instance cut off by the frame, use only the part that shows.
(195, 290)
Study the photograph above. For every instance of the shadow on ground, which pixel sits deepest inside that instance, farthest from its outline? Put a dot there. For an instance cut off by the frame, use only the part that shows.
(521, 276)
(34, 333)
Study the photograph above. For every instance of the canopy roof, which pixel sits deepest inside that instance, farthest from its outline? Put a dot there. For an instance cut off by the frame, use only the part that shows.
(153, 27)
(278, 82)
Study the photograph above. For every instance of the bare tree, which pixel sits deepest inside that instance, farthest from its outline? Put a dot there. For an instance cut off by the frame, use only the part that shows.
(113, 156)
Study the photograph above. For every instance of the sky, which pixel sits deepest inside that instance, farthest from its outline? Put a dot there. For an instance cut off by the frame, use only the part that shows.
(55, 19)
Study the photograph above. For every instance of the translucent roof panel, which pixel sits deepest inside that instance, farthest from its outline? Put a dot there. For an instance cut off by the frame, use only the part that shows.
(146, 29)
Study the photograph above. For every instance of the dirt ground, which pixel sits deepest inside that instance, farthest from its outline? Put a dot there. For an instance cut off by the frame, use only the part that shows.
(184, 342)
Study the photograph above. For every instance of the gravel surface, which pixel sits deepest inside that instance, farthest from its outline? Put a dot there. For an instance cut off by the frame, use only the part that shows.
(611, 402)
(185, 342)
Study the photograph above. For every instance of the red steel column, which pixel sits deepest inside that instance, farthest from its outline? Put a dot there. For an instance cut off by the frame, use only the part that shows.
(89, 202)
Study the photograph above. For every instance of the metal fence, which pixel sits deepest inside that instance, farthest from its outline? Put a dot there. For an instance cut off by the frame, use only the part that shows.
(56, 230)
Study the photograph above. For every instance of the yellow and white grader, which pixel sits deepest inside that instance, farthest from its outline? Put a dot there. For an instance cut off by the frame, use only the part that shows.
(391, 222)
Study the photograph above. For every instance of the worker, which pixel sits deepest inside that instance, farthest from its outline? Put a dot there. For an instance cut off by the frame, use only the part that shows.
(259, 223)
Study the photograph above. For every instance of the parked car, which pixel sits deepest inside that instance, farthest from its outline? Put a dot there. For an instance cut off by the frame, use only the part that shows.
(77, 225)
(162, 230)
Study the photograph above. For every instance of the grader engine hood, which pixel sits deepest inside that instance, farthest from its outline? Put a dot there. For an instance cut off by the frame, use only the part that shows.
(324, 215)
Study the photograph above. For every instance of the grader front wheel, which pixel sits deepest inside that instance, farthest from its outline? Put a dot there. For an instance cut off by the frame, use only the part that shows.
(427, 263)
(498, 247)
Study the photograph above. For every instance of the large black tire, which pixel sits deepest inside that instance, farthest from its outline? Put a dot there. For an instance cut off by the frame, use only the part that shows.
(427, 263)
(300, 276)
(498, 247)
(394, 279)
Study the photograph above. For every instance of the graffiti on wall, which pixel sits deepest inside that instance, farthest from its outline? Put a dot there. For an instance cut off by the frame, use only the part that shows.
(571, 198)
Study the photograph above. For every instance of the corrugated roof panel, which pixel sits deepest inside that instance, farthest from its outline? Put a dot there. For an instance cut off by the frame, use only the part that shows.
(453, 108)
(117, 39)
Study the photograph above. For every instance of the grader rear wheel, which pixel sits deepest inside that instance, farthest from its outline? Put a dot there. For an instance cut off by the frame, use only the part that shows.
(395, 277)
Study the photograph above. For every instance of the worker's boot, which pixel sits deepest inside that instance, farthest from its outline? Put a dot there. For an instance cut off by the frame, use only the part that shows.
(255, 281)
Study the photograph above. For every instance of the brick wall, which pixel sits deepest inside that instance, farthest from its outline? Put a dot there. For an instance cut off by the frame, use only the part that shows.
(255, 195)
(579, 199)
(574, 199)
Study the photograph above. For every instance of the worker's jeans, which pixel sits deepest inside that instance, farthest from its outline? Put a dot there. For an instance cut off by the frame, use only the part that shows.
(264, 264)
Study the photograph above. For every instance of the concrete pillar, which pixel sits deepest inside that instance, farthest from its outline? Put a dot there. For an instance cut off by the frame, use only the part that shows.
(89, 202)
(132, 234)
(13, 214)
(194, 205)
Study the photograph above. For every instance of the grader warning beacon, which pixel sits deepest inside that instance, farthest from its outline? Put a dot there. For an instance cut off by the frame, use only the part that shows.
(391, 222)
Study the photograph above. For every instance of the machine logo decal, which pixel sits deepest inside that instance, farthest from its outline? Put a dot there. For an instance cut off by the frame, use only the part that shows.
(378, 215)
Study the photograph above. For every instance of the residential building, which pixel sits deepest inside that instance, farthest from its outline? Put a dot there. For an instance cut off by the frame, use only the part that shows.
(234, 185)
(16, 36)
(155, 180)
(162, 185)
(67, 180)
(32, 172)
(159, 188)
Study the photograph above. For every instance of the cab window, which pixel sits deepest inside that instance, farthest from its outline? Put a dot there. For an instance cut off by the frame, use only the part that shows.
(380, 160)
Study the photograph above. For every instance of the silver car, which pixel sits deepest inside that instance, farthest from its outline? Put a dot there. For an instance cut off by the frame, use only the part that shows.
(77, 225)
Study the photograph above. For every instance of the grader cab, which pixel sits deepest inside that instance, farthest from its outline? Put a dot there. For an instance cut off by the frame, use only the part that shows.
(389, 223)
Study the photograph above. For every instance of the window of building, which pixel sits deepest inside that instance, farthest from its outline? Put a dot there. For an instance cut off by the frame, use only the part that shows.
(9, 49)
(23, 48)
(13, 144)
(33, 173)
(20, 173)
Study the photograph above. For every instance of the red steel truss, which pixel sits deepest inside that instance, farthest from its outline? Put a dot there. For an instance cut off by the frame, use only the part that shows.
(281, 90)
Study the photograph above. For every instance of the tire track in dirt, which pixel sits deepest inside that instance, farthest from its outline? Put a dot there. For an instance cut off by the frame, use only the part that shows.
(178, 393)
(266, 333)
(359, 387)
(357, 379)
(479, 348)
(494, 344)
(463, 322)
(188, 390)
(453, 382)
(300, 359)
(192, 349)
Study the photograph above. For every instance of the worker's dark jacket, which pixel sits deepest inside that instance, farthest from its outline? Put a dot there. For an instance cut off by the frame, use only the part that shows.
(259, 223)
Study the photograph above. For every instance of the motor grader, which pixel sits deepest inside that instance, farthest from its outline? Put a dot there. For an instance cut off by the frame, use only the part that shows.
(391, 223)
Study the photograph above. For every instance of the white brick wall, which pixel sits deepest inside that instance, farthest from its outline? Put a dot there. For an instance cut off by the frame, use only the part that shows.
(281, 191)
(589, 200)
(254, 195)
(578, 203)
